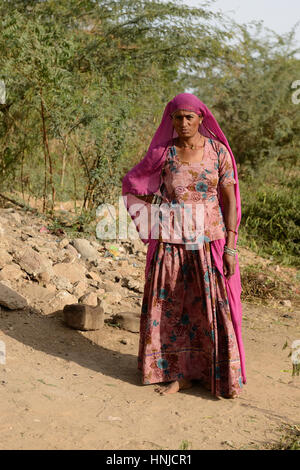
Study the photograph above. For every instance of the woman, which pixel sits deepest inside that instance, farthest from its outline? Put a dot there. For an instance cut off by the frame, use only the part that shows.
(191, 312)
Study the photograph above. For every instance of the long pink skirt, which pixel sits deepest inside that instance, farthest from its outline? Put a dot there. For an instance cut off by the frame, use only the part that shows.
(186, 329)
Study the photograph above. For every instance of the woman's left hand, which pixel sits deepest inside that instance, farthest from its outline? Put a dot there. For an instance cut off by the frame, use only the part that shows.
(229, 263)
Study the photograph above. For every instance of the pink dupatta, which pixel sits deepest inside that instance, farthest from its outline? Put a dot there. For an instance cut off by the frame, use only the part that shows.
(145, 179)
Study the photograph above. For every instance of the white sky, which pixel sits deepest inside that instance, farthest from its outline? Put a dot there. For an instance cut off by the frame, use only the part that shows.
(278, 15)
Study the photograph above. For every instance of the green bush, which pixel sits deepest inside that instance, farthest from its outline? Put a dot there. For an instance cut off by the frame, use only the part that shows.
(270, 216)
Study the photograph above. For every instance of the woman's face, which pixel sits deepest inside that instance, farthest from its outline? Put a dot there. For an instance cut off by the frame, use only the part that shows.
(186, 123)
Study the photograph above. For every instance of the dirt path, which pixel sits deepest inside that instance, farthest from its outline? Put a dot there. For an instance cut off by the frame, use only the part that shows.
(63, 389)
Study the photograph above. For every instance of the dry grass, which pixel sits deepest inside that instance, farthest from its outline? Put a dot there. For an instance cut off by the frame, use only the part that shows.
(265, 283)
(290, 439)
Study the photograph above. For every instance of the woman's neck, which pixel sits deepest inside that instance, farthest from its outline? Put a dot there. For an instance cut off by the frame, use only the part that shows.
(190, 142)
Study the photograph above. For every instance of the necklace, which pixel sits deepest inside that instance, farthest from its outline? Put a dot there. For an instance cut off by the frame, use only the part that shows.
(193, 146)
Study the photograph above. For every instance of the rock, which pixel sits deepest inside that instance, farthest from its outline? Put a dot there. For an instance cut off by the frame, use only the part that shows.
(229, 443)
(44, 277)
(63, 243)
(86, 250)
(95, 245)
(61, 283)
(5, 258)
(89, 299)
(15, 218)
(83, 317)
(11, 299)
(74, 272)
(11, 272)
(108, 285)
(59, 301)
(94, 276)
(100, 292)
(123, 263)
(4, 242)
(67, 255)
(32, 262)
(47, 300)
(129, 305)
(40, 298)
(80, 288)
(107, 306)
(128, 321)
(93, 284)
(42, 249)
(109, 300)
(112, 297)
(93, 263)
(286, 303)
(24, 237)
(50, 288)
(71, 254)
(132, 284)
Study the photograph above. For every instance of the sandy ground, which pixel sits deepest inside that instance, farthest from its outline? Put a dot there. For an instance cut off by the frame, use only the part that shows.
(65, 389)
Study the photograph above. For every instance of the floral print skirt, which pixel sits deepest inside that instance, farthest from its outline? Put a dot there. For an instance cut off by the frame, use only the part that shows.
(185, 328)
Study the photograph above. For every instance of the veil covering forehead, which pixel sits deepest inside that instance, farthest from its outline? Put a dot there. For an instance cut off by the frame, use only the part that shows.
(145, 179)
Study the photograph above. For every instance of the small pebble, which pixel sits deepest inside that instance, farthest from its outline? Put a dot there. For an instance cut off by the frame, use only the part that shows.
(286, 303)
(229, 443)
(114, 418)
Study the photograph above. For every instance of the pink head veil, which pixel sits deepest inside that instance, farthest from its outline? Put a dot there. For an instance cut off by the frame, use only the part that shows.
(145, 179)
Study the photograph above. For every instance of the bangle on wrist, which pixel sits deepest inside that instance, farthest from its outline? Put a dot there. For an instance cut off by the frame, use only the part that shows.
(230, 230)
(230, 251)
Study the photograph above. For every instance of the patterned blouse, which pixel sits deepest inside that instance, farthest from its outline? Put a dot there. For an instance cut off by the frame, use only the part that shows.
(189, 192)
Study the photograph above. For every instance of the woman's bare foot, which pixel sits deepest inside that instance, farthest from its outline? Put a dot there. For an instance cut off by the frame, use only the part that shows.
(232, 395)
(174, 387)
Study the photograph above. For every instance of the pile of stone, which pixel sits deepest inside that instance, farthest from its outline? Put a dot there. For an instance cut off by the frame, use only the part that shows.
(44, 273)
